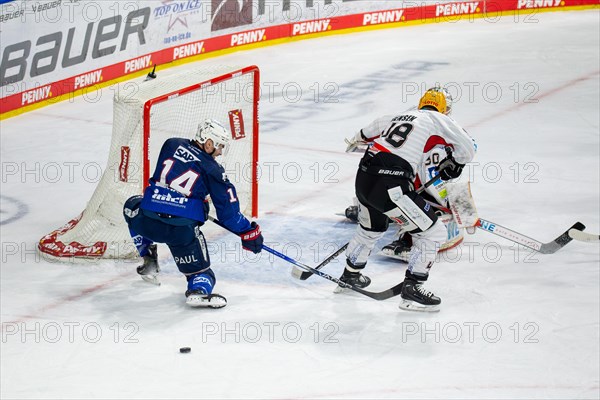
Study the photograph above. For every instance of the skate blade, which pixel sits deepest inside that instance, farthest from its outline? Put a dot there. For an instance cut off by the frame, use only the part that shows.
(410, 305)
(202, 301)
(153, 279)
(391, 254)
(339, 289)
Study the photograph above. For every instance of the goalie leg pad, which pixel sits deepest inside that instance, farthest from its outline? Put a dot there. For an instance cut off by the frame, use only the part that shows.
(413, 213)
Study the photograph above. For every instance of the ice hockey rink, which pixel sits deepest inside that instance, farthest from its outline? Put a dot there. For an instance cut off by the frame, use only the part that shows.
(513, 323)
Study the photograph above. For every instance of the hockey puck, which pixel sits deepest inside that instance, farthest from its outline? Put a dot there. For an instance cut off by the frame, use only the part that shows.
(185, 349)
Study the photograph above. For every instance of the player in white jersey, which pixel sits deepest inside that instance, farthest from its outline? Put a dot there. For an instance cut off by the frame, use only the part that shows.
(385, 189)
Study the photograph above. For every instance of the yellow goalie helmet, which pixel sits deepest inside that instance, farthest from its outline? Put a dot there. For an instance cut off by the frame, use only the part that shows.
(438, 98)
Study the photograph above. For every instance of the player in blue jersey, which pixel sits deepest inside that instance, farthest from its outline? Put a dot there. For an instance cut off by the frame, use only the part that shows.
(174, 207)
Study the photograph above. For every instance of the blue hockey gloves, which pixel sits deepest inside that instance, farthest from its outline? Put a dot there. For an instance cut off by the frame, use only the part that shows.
(252, 240)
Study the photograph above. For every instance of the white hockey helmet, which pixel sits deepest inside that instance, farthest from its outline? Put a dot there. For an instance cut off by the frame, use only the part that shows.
(212, 129)
(438, 98)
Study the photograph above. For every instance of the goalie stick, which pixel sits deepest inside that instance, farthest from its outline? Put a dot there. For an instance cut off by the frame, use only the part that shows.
(386, 294)
(516, 237)
(584, 236)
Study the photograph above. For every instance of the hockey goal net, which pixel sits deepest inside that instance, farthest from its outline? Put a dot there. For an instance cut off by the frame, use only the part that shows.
(145, 115)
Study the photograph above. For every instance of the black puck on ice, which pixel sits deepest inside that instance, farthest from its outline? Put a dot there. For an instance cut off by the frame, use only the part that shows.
(185, 349)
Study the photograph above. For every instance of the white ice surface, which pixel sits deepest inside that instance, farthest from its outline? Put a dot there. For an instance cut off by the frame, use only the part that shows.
(513, 324)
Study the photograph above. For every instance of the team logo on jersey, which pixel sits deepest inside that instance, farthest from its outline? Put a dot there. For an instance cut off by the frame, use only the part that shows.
(236, 121)
(184, 155)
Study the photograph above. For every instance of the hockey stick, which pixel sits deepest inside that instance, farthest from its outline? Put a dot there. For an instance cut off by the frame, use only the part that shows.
(304, 275)
(386, 294)
(516, 237)
(583, 236)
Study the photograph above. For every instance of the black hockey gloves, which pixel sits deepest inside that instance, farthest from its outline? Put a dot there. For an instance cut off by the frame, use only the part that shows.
(252, 240)
(448, 168)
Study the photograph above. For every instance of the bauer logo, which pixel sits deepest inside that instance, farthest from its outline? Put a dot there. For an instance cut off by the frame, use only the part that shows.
(230, 14)
(236, 121)
(124, 164)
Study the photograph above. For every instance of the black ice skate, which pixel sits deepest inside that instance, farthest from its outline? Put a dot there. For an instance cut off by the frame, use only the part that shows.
(416, 298)
(398, 249)
(352, 213)
(150, 269)
(355, 279)
(195, 298)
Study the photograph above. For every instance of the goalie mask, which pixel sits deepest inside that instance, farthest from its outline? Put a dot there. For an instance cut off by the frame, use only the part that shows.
(438, 98)
(211, 129)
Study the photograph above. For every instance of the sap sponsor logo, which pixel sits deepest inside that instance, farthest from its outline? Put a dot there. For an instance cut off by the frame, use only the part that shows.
(456, 9)
(184, 155)
(303, 28)
(138, 63)
(188, 50)
(539, 3)
(254, 36)
(188, 260)
(88, 79)
(35, 95)
(488, 226)
(236, 122)
(167, 198)
(384, 17)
